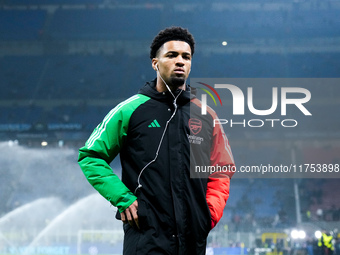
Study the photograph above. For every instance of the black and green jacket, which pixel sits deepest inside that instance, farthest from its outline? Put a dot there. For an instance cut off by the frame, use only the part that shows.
(176, 212)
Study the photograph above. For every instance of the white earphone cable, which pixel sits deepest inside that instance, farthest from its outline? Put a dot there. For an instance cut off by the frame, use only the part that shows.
(162, 137)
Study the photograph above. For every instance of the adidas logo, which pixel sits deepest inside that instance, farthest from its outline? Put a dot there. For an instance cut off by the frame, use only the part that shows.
(154, 123)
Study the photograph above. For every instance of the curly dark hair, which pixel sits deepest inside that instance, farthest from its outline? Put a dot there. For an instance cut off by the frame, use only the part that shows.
(171, 34)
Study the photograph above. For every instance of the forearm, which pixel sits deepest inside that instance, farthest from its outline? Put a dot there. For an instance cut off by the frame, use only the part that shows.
(217, 196)
(101, 176)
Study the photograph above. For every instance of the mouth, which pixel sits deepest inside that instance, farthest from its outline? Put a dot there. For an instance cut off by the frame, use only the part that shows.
(179, 71)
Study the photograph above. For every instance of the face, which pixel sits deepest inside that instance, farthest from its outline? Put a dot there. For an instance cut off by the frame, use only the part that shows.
(174, 62)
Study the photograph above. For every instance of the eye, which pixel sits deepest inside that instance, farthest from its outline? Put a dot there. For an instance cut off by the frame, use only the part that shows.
(187, 57)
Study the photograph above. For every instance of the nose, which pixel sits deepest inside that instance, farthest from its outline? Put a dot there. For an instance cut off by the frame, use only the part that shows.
(179, 60)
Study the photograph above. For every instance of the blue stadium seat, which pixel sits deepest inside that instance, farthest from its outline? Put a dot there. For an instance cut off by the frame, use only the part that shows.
(121, 24)
(21, 24)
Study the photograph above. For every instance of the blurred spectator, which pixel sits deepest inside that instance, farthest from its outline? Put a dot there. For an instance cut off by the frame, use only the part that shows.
(319, 214)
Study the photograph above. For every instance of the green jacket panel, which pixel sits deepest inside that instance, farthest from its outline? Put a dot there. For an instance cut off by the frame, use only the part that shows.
(103, 146)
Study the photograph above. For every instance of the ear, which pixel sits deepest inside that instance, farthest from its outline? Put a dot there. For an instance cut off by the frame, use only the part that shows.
(154, 62)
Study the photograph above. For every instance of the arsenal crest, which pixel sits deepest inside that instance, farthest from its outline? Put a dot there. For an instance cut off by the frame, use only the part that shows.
(195, 125)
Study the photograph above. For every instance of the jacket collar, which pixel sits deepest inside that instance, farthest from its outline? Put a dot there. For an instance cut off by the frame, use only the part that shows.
(149, 89)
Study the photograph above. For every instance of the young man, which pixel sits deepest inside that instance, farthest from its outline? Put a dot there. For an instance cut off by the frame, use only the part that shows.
(161, 136)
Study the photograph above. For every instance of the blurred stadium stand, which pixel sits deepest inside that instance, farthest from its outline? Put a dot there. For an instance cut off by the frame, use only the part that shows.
(69, 64)
(21, 24)
(115, 24)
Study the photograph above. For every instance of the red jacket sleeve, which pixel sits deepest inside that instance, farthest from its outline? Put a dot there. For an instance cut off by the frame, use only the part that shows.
(219, 182)
(217, 196)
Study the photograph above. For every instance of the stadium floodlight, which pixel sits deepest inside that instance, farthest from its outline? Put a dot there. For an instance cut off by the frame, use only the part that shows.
(318, 234)
(298, 234)
(294, 234)
(302, 234)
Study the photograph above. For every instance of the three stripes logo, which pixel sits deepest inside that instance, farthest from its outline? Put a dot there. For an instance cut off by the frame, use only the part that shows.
(154, 124)
(204, 97)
